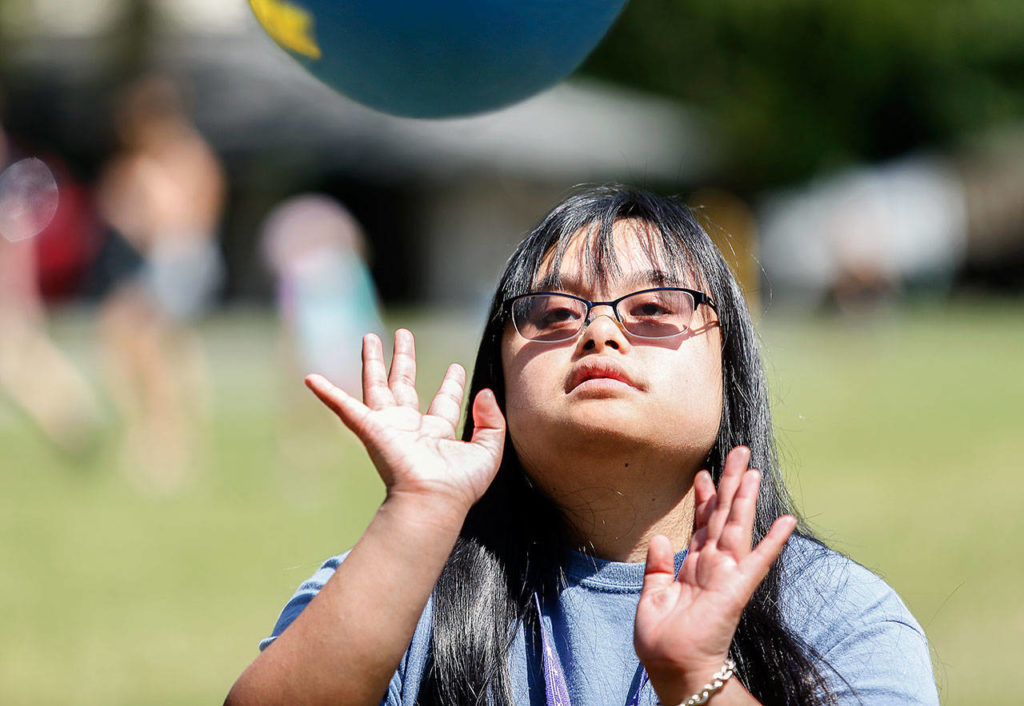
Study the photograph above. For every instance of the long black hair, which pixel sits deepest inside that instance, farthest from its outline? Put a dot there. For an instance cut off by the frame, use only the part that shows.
(514, 540)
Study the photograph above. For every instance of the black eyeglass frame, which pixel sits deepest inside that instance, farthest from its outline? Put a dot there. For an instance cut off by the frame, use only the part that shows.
(698, 299)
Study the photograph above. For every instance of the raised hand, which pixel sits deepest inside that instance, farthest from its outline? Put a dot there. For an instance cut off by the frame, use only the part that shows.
(685, 624)
(418, 453)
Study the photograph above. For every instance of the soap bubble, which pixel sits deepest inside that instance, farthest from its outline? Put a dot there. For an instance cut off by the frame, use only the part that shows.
(28, 199)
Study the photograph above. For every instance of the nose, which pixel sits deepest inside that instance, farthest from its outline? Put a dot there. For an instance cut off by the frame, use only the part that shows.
(602, 330)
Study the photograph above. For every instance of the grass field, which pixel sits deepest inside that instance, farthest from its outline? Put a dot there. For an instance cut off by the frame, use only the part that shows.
(903, 438)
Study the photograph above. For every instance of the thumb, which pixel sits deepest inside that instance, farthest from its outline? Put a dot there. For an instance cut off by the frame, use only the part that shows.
(659, 570)
(351, 411)
(488, 423)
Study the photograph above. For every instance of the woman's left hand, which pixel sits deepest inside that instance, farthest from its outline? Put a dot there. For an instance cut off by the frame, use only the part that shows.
(685, 624)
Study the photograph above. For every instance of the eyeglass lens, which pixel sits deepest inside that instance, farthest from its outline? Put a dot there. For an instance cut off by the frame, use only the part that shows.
(556, 317)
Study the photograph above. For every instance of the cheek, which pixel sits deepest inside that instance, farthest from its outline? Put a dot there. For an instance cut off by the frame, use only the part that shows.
(535, 410)
(693, 399)
(518, 394)
(711, 392)
(709, 382)
(523, 396)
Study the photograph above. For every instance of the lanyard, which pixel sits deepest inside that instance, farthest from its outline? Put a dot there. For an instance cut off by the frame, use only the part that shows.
(555, 687)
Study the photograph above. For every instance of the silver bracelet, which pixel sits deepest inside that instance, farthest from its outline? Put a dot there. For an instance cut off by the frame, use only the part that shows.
(718, 679)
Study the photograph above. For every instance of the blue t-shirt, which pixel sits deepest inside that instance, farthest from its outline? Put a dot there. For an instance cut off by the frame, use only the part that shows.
(847, 614)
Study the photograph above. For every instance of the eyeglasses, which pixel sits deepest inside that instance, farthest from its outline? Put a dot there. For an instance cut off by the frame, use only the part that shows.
(650, 313)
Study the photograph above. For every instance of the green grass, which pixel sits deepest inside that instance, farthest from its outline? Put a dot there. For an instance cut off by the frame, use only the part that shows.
(906, 435)
(902, 438)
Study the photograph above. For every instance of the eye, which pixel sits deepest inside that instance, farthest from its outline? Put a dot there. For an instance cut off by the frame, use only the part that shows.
(554, 314)
(648, 306)
(650, 309)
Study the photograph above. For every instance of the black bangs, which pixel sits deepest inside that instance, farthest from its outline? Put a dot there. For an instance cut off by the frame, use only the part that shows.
(668, 260)
(670, 236)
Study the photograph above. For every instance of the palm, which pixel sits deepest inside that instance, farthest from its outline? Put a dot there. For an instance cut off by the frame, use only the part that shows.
(685, 624)
(412, 451)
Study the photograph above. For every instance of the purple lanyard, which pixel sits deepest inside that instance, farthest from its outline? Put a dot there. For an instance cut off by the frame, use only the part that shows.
(555, 688)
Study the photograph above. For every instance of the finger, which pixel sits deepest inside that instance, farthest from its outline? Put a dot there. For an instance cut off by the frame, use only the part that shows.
(376, 393)
(739, 528)
(402, 379)
(659, 571)
(688, 571)
(488, 423)
(732, 474)
(447, 403)
(350, 410)
(704, 495)
(757, 563)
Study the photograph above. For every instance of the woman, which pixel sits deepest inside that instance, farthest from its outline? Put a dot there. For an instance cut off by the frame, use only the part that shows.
(617, 362)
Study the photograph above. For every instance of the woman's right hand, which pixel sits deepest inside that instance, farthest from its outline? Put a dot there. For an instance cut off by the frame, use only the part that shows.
(414, 453)
(347, 643)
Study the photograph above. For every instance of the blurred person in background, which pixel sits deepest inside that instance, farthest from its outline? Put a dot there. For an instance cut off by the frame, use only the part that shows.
(326, 299)
(36, 375)
(161, 195)
(860, 239)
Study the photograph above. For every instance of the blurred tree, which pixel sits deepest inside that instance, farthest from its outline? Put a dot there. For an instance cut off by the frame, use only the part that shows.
(800, 86)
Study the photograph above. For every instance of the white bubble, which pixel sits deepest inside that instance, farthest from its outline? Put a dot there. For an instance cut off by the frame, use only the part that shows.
(28, 199)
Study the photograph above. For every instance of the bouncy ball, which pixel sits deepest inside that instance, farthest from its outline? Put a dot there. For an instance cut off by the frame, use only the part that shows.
(437, 58)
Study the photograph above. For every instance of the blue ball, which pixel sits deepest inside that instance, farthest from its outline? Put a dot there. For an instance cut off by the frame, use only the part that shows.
(438, 58)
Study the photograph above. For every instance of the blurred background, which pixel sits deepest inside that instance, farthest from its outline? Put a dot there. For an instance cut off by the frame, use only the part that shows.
(190, 223)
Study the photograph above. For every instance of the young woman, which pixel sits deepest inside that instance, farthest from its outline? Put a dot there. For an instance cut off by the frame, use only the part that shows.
(599, 534)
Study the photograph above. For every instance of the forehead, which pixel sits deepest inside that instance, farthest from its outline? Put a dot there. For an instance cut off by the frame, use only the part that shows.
(634, 254)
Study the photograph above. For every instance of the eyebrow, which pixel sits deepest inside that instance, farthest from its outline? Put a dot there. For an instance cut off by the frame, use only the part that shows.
(637, 280)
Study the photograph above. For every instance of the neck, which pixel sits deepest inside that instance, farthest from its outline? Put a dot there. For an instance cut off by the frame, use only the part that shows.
(622, 504)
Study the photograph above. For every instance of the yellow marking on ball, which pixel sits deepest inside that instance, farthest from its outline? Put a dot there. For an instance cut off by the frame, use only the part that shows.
(289, 25)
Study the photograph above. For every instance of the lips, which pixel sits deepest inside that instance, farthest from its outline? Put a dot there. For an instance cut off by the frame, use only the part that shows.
(598, 369)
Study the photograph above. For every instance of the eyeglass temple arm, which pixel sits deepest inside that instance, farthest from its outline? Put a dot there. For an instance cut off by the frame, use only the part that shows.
(702, 298)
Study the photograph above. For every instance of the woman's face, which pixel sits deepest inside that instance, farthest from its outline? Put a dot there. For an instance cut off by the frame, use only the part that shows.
(606, 394)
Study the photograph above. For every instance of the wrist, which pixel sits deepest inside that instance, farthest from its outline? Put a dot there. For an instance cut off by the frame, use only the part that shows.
(435, 510)
(696, 684)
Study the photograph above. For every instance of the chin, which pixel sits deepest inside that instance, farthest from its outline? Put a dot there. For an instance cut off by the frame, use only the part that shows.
(607, 424)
